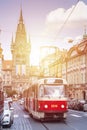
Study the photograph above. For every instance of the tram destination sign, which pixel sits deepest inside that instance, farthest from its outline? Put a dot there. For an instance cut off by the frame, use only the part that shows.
(53, 81)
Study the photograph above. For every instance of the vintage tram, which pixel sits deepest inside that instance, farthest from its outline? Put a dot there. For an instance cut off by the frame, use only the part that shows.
(47, 99)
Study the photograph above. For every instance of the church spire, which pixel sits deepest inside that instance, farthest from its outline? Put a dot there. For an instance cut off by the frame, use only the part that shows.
(21, 17)
(21, 33)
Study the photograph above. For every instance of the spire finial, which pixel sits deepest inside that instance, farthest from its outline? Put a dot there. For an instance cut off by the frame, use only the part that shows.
(21, 16)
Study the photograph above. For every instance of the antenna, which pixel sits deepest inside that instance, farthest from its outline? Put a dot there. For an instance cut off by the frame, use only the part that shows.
(21, 4)
(85, 29)
(84, 35)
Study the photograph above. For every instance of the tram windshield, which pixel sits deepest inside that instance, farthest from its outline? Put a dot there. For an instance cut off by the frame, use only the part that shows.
(52, 90)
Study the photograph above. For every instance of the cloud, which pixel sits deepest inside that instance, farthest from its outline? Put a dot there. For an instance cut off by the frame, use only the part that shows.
(57, 26)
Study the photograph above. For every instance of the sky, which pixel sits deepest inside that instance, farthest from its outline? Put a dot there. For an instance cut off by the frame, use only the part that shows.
(47, 22)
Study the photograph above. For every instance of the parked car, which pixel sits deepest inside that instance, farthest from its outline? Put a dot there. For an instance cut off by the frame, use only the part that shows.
(81, 104)
(9, 99)
(85, 107)
(21, 101)
(73, 104)
(8, 116)
(76, 104)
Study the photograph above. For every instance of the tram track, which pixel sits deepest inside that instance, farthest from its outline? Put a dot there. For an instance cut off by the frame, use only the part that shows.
(72, 128)
(64, 122)
(45, 126)
(26, 123)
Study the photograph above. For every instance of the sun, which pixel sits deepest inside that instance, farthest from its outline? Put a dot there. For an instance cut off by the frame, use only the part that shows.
(35, 56)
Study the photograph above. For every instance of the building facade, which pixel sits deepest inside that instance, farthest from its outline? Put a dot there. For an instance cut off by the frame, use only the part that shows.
(7, 75)
(1, 60)
(76, 70)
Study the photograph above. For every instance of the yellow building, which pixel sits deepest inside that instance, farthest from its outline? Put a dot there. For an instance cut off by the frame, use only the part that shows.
(48, 55)
(7, 75)
(76, 66)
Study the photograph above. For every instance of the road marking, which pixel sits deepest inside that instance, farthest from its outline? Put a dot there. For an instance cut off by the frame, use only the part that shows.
(15, 116)
(26, 116)
(85, 114)
(75, 115)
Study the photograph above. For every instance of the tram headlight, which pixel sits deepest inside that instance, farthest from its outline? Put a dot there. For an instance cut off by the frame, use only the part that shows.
(39, 106)
(62, 106)
(46, 106)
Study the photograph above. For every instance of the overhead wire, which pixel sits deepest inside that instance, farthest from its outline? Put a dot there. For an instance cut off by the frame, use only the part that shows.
(61, 28)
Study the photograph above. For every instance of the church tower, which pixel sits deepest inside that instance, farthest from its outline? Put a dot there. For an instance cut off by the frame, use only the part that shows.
(20, 50)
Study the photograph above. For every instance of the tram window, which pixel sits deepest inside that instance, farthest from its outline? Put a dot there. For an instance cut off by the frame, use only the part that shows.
(56, 91)
(36, 90)
(50, 90)
(41, 91)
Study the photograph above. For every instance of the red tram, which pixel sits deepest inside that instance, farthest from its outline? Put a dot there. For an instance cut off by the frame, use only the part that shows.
(47, 99)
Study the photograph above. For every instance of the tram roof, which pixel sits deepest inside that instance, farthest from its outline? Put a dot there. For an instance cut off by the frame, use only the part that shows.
(52, 81)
